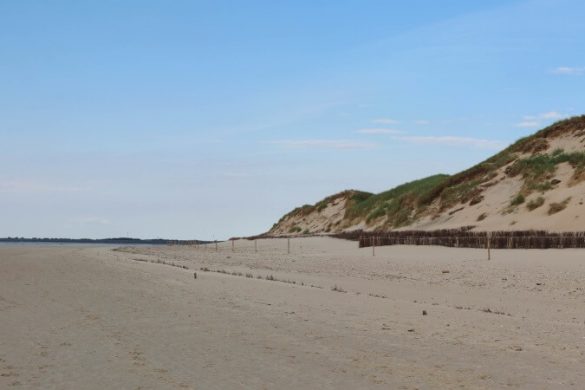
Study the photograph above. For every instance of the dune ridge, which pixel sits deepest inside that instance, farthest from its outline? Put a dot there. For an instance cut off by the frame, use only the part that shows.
(536, 183)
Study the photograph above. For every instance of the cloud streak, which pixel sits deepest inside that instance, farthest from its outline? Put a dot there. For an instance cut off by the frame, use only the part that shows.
(25, 186)
(569, 71)
(527, 124)
(325, 144)
(533, 121)
(448, 140)
(375, 131)
(551, 115)
(385, 121)
(422, 122)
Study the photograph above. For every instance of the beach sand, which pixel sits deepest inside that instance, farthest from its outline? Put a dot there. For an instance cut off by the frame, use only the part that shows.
(88, 317)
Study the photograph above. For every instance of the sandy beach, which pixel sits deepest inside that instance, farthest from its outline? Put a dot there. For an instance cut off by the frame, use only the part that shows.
(327, 315)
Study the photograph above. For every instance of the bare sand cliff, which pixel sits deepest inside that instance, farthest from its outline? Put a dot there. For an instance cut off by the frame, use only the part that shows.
(74, 317)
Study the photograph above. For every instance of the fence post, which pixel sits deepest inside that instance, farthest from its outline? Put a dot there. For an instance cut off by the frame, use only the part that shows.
(216, 249)
(233, 245)
(373, 246)
(489, 245)
(288, 245)
(255, 245)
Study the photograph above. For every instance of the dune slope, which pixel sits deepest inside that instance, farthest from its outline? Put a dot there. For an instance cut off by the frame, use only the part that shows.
(536, 183)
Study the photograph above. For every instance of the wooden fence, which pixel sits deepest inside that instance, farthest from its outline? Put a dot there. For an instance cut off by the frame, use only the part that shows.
(464, 238)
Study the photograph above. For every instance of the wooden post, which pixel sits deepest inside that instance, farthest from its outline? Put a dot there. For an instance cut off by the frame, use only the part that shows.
(288, 245)
(255, 246)
(489, 245)
(373, 246)
(233, 245)
(216, 246)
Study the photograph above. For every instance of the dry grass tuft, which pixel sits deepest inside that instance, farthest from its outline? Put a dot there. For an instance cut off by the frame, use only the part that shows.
(535, 203)
(558, 207)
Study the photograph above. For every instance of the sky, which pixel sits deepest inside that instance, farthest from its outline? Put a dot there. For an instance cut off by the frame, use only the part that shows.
(211, 119)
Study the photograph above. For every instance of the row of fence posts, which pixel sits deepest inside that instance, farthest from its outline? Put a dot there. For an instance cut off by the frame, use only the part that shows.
(374, 239)
(233, 245)
(466, 239)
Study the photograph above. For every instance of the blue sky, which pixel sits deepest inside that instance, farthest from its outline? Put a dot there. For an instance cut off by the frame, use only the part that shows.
(210, 119)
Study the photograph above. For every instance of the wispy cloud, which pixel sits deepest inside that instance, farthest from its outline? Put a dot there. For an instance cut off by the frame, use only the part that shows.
(422, 122)
(378, 131)
(544, 115)
(385, 121)
(32, 186)
(448, 140)
(325, 144)
(569, 71)
(551, 115)
(528, 124)
(532, 121)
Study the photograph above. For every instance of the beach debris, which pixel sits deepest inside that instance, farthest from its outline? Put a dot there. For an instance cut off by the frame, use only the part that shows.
(424, 313)
(499, 312)
(411, 330)
(445, 271)
(194, 275)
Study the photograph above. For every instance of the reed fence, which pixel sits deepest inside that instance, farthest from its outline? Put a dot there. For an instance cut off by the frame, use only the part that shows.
(464, 238)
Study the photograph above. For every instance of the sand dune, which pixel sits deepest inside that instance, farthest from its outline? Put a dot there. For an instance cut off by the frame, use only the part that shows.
(93, 318)
(536, 183)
